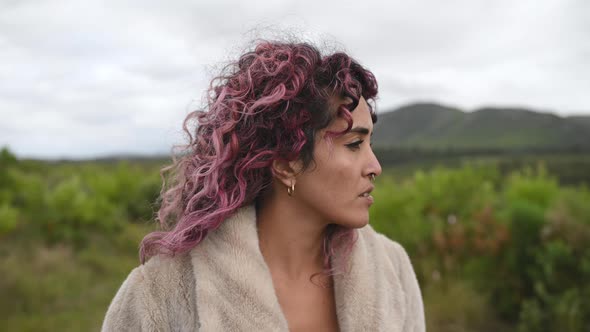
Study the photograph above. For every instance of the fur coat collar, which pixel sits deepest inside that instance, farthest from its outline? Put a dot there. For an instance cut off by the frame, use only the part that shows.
(224, 284)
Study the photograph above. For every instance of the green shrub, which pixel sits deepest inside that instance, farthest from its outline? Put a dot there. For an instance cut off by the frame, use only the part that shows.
(521, 240)
(8, 218)
(73, 210)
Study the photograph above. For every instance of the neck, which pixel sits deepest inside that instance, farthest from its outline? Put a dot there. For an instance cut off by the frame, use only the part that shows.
(291, 243)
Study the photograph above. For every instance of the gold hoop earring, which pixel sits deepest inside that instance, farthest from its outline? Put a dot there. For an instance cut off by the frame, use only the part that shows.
(291, 189)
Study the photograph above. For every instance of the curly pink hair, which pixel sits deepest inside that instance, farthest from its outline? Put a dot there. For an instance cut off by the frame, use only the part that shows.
(267, 106)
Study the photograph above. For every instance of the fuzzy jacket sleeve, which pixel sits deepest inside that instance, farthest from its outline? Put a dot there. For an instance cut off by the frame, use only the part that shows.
(130, 309)
(414, 320)
(156, 296)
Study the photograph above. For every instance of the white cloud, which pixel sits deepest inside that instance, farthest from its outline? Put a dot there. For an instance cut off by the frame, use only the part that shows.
(102, 77)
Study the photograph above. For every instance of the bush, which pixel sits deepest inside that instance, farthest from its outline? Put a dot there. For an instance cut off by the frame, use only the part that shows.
(8, 218)
(521, 240)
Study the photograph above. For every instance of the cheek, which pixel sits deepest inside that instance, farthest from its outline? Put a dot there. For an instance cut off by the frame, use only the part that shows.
(333, 179)
(337, 178)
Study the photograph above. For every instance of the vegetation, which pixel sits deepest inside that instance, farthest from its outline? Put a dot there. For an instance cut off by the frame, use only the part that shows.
(496, 245)
(506, 249)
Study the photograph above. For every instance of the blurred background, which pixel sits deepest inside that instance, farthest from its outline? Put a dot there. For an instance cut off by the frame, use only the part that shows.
(483, 134)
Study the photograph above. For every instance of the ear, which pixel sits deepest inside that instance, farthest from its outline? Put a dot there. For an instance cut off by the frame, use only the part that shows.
(286, 171)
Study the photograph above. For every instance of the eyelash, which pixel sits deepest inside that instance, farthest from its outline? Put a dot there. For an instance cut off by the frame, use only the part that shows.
(355, 145)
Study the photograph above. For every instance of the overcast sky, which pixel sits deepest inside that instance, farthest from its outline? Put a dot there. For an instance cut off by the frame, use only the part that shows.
(93, 78)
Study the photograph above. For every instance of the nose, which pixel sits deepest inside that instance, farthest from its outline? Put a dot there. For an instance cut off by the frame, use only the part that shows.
(373, 166)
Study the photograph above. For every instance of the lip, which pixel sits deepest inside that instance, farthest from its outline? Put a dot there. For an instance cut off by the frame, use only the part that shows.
(370, 200)
(368, 196)
(368, 190)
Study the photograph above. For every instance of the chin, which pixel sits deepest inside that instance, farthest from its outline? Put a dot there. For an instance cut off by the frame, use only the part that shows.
(359, 222)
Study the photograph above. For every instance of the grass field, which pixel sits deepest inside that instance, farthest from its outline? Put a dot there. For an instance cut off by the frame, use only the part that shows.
(497, 244)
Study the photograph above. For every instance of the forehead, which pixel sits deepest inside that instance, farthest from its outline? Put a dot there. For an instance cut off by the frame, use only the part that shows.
(361, 117)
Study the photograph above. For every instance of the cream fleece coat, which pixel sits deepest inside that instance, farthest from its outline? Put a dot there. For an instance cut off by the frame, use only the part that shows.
(224, 284)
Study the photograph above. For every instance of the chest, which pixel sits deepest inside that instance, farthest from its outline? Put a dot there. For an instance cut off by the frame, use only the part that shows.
(307, 306)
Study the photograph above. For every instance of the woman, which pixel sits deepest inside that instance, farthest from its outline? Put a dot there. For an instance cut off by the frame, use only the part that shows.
(266, 217)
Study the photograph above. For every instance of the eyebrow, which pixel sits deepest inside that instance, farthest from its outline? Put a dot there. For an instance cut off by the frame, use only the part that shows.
(360, 130)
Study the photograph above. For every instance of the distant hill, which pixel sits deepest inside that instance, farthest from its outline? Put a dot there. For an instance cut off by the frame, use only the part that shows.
(584, 120)
(428, 125)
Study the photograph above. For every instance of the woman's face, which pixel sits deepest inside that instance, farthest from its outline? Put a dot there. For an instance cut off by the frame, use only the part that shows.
(337, 187)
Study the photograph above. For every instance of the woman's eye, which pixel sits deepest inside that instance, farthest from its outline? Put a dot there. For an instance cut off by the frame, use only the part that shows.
(355, 145)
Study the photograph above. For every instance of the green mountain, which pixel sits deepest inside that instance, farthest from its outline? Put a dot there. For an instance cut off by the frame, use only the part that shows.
(427, 125)
(581, 119)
